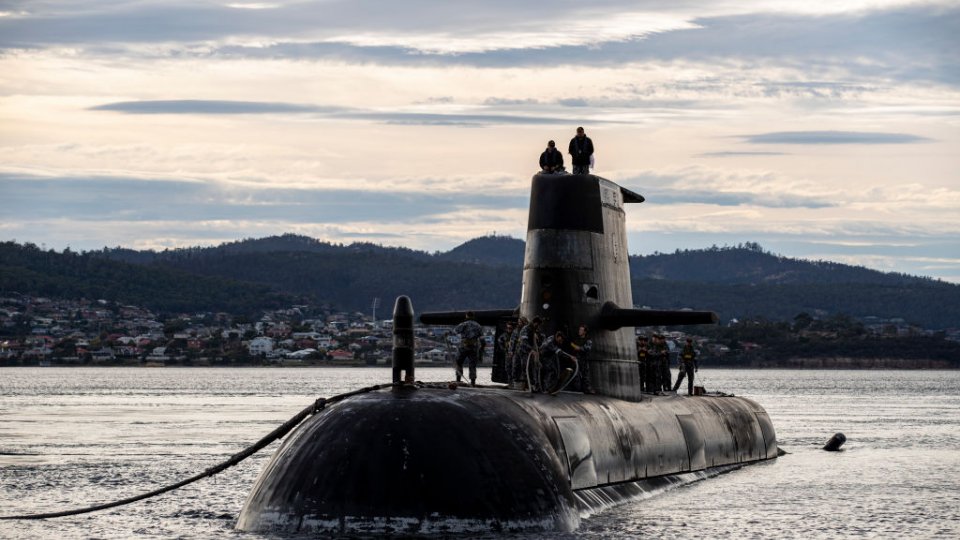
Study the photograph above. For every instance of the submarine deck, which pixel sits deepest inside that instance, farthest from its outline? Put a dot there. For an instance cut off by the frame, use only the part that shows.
(489, 453)
(606, 440)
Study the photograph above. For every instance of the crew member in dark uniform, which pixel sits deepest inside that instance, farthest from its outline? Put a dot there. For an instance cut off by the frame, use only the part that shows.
(688, 365)
(528, 353)
(552, 356)
(642, 364)
(470, 333)
(663, 352)
(513, 351)
(582, 345)
(503, 347)
(551, 160)
(581, 148)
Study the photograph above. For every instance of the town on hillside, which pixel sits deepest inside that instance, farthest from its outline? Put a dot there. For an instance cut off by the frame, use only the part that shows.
(47, 332)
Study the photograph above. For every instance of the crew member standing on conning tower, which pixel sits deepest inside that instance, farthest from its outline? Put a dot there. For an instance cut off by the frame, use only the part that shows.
(581, 148)
(551, 160)
(470, 333)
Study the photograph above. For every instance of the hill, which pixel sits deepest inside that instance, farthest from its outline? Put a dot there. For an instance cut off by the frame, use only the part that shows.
(28, 269)
(750, 264)
(488, 250)
(746, 281)
(737, 282)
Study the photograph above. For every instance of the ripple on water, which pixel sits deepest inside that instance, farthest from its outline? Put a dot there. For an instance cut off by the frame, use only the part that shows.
(74, 437)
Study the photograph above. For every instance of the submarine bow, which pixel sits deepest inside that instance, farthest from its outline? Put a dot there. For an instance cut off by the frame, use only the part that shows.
(410, 460)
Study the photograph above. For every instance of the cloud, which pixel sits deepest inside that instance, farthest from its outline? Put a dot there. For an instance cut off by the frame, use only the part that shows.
(133, 199)
(738, 154)
(735, 198)
(219, 107)
(833, 137)
(199, 106)
(913, 42)
(709, 186)
(499, 102)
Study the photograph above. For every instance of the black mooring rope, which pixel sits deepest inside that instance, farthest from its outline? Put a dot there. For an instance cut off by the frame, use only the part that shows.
(285, 428)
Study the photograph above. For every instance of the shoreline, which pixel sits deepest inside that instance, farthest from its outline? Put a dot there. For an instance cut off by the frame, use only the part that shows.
(804, 364)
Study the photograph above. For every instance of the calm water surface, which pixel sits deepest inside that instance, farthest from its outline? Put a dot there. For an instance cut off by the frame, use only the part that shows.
(72, 437)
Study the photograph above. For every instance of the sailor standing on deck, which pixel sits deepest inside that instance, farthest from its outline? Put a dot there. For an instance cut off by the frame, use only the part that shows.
(643, 358)
(518, 375)
(663, 352)
(503, 346)
(470, 333)
(581, 148)
(653, 360)
(582, 345)
(528, 354)
(551, 357)
(688, 365)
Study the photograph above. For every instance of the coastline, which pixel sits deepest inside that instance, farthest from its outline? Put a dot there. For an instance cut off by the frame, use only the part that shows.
(813, 363)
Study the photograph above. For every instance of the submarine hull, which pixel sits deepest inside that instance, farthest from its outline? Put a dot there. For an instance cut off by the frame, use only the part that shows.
(466, 460)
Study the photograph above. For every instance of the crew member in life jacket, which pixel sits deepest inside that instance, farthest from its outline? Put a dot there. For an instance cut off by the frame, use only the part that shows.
(551, 160)
(581, 148)
(582, 345)
(470, 333)
(688, 365)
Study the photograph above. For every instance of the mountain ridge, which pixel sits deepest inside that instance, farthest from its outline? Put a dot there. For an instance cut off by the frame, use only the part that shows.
(485, 272)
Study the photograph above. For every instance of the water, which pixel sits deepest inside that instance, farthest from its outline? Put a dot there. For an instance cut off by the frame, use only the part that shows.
(72, 437)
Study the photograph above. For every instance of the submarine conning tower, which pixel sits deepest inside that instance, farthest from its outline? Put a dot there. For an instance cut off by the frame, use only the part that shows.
(576, 262)
(576, 270)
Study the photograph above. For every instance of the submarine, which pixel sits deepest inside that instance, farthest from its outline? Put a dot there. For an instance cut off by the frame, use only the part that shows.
(424, 459)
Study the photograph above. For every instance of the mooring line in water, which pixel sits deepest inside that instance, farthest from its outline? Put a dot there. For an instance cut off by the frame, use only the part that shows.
(285, 428)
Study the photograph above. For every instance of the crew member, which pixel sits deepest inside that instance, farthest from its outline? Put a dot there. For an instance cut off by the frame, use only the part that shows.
(503, 346)
(663, 352)
(688, 365)
(470, 333)
(581, 148)
(513, 351)
(552, 356)
(642, 361)
(582, 345)
(551, 160)
(528, 353)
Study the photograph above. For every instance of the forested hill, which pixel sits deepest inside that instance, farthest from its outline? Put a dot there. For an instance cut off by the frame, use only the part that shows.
(287, 243)
(750, 264)
(29, 270)
(736, 282)
(488, 250)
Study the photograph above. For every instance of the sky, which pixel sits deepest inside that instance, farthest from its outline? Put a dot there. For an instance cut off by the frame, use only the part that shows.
(818, 129)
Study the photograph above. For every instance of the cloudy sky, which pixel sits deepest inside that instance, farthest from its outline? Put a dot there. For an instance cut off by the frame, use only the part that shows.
(820, 129)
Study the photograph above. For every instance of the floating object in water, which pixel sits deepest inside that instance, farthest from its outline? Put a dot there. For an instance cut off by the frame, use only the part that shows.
(835, 442)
